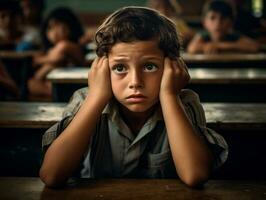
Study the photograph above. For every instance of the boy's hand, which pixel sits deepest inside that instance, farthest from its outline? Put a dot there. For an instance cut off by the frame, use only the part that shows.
(175, 77)
(99, 80)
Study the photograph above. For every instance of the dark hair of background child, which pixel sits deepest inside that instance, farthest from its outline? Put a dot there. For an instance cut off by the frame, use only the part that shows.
(67, 16)
(220, 6)
(12, 6)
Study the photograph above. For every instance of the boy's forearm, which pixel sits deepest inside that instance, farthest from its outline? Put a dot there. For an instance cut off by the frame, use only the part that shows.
(66, 152)
(191, 155)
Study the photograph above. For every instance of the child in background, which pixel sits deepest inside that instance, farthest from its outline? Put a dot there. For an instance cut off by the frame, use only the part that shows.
(10, 17)
(13, 35)
(134, 120)
(172, 10)
(219, 36)
(8, 87)
(60, 32)
(32, 19)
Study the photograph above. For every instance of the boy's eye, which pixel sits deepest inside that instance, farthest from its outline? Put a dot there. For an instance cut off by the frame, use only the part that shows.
(150, 67)
(119, 69)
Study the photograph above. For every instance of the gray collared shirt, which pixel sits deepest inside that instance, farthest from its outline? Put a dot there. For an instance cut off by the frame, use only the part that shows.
(114, 151)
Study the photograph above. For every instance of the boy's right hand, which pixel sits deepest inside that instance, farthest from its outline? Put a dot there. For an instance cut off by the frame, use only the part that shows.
(99, 80)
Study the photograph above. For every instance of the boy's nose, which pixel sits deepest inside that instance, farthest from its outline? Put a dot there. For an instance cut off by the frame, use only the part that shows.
(135, 80)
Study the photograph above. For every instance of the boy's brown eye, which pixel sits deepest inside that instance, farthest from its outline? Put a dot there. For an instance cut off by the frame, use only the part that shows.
(119, 69)
(150, 67)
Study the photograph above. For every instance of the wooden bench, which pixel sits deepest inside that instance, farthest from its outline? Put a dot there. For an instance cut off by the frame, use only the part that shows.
(212, 84)
(242, 125)
(33, 188)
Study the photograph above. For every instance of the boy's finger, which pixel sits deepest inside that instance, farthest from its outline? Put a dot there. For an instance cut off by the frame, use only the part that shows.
(95, 62)
(182, 64)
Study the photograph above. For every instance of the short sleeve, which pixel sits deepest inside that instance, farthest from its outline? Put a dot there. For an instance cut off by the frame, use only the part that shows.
(69, 112)
(195, 113)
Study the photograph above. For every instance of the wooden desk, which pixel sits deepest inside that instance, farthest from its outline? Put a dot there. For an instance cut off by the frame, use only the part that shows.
(17, 55)
(225, 60)
(220, 116)
(236, 116)
(217, 60)
(33, 188)
(29, 114)
(242, 125)
(212, 84)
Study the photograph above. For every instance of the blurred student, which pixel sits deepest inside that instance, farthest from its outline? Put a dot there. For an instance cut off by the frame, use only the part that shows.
(13, 36)
(172, 10)
(8, 87)
(32, 11)
(10, 34)
(219, 36)
(61, 32)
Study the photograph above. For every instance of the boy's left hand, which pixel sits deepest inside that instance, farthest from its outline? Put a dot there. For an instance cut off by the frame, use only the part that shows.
(175, 77)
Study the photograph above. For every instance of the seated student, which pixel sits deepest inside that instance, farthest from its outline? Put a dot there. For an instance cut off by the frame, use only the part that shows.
(172, 10)
(13, 36)
(9, 17)
(219, 36)
(8, 87)
(32, 11)
(61, 31)
(134, 120)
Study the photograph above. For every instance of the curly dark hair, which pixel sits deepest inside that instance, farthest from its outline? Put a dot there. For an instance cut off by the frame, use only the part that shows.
(131, 24)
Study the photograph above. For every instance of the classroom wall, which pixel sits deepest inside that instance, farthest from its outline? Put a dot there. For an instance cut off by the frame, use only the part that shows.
(92, 12)
(95, 6)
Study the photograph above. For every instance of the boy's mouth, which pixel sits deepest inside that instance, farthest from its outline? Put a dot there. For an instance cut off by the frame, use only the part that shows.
(136, 98)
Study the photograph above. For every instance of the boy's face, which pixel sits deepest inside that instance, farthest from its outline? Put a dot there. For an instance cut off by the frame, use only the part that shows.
(136, 71)
(217, 25)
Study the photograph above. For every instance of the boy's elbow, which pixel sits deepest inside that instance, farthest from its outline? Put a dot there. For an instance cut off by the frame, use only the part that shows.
(50, 179)
(195, 179)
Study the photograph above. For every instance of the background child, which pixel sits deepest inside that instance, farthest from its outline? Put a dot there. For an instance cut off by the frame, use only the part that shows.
(172, 10)
(61, 31)
(134, 120)
(32, 19)
(10, 16)
(218, 19)
(8, 87)
(13, 34)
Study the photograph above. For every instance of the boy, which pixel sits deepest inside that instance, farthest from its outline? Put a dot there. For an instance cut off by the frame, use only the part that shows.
(121, 126)
(218, 20)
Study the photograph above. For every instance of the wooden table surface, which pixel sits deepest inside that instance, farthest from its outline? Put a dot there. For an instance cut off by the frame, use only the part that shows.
(30, 114)
(223, 57)
(17, 55)
(243, 116)
(32, 188)
(218, 115)
(79, 75)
